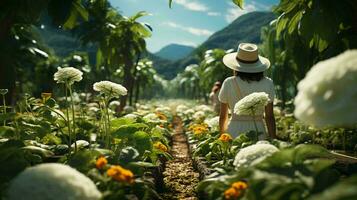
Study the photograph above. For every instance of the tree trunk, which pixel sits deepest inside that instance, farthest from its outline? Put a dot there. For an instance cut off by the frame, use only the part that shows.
(7, 67)
(128, 82)
(134, 79)
(137, 91)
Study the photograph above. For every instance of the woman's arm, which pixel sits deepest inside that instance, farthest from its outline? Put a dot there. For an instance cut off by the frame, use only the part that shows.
(270, 120)
(223, 116)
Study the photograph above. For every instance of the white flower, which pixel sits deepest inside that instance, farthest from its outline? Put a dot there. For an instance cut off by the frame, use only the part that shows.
(204, 108)
(110, 89)
(151, 117)
(327, 96)
(114, 104)
(52, 181)
(131, 116)
(67, 75)
(252, 104)
(77, 58)
(129, 109)
(181, 108)
(253, 154)
(189, 112)
(163, 109)
(213, 123)
(199, 115)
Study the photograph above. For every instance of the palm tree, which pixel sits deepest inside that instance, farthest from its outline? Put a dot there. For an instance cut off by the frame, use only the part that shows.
(18, 15)
(212, 69)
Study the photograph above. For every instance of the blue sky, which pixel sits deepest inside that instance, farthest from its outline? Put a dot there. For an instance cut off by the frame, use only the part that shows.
(189, 22)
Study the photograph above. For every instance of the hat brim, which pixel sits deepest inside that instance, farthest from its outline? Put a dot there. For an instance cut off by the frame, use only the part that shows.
(231, 62)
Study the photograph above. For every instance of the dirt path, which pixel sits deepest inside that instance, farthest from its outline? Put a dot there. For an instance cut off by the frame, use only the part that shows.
(179, 176)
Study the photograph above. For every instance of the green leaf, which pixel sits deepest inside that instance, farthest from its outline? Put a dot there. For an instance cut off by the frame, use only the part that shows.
(170, 3)
(7, 131)
(127, 131)
(7, 116)
(118, 122)
(138, 15)
(83, 161)
(81, 10)
(12, 159)
(51, 102)
(142, 141)
(128, 154)
(99, 58)
(343, 190)
(39, 151)
(239, 3)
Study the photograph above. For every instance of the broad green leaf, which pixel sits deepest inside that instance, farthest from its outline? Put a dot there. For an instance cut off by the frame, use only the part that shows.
(13, 160)
(127, 131)
(84, 160)
(38, 150)
(343, 190)
(142, 141)
(118, 122)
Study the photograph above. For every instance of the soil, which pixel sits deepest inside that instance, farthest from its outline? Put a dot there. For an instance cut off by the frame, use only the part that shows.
(179, 176)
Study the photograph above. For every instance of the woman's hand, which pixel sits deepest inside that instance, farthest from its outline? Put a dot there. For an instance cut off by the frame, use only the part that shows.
(223, 116)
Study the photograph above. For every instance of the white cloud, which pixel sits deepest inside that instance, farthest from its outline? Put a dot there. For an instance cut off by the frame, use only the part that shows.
(186, 43)
(192, 30)
(192, 5)
(234, 11)
(214, 14)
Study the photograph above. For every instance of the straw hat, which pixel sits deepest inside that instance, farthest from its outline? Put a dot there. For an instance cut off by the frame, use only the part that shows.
(246, 59)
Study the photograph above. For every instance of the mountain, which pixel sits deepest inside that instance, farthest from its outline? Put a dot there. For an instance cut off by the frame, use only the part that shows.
(174, 52)
(246, 28)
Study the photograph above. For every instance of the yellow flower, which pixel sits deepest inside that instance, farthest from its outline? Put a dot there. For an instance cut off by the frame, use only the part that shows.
(160, 146)
(225, 137)
(101, 162)
(120, 174)
(198, 129)
(240, 185)
(231, 193)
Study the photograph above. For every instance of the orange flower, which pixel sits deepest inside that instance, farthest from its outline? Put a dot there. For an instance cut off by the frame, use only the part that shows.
(120, 174)
(160, 146)
(101, 162)
(231, 193)
(240, 185)
(225, 137)
(198, 129)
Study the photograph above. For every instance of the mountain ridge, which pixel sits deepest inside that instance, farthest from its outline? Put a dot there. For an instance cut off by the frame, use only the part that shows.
(245, 28)
(174, 51)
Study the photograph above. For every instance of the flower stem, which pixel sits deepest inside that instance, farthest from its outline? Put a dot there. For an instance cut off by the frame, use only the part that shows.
(3, 100)
(107, 121)
(255, 125)
(74, 120)
(68, 122)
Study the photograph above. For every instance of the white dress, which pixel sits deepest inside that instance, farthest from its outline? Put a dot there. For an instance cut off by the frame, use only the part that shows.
(231, 94)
